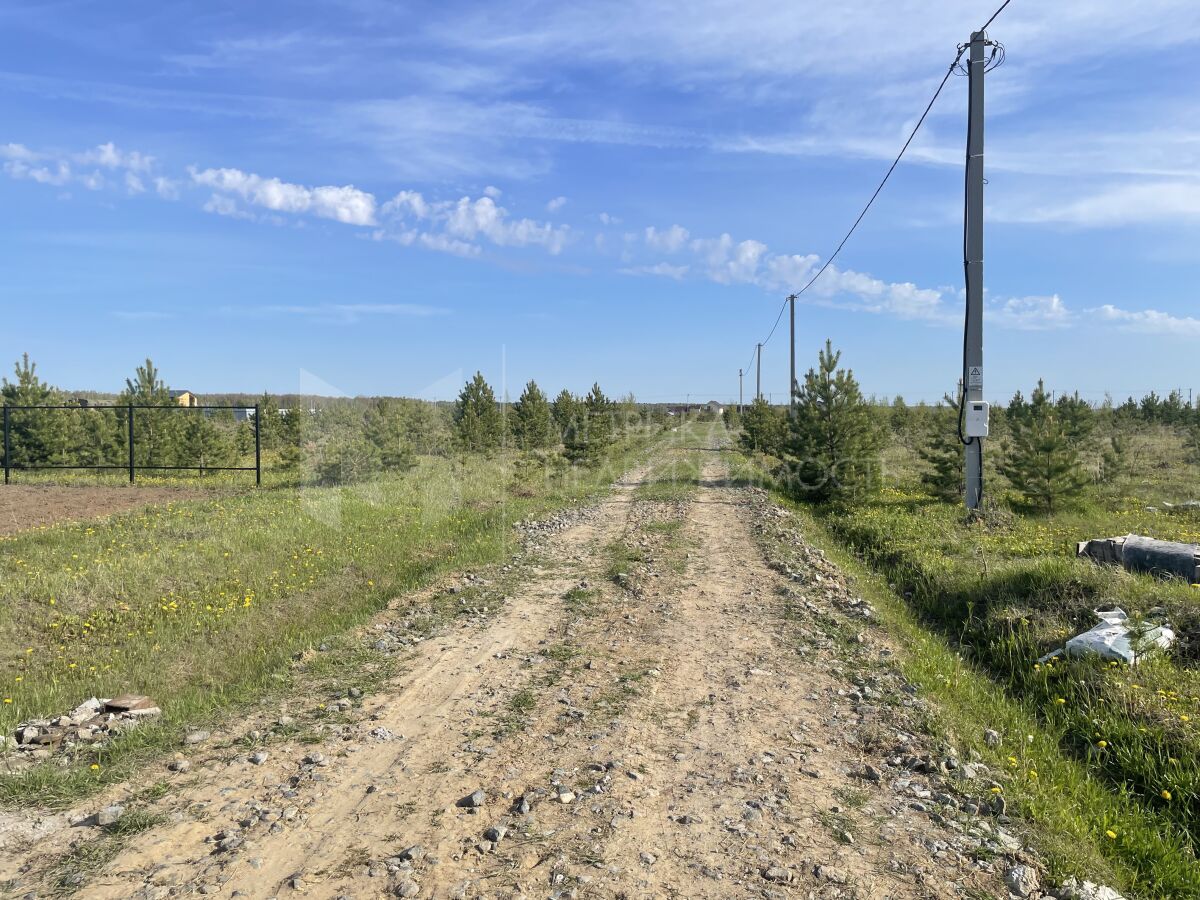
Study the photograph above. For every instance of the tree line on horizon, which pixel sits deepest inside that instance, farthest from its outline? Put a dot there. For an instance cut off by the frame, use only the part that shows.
(341, 440)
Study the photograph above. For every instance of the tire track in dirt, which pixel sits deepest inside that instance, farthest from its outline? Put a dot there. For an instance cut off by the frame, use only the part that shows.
(314, 821)
(653, 734)
(730, 773)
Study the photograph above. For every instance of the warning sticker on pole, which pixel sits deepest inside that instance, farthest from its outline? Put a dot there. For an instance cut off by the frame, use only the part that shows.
(975, 377)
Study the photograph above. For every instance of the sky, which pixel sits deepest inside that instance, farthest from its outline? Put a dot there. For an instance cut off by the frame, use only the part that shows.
(369, 197)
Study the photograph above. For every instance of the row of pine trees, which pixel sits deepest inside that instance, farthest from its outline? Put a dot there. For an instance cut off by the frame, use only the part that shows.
(1048, 450)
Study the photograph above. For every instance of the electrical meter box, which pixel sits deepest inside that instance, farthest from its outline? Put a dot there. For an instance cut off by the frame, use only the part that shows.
(976, 420)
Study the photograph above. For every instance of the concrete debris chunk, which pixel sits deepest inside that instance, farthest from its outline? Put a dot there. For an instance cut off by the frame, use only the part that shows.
(1167, 559)
(1074, 889)
(1117, 638)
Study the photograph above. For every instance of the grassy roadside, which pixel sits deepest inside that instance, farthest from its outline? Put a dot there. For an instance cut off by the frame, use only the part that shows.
(1084, 824)
(203, 604)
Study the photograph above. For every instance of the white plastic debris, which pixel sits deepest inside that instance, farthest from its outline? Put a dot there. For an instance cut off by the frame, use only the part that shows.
(1114, 638)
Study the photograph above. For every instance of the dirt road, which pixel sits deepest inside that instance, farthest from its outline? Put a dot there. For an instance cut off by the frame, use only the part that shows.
(656, 712)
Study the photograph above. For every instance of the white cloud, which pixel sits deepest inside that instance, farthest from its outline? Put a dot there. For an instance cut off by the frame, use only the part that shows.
(221, 205)
(57, 175)
(662, 269)
(406, 202)
(556, 204)
(444, 244)
(167, 188)
(58, 169)
(464, 221)
(346, 204)
(729, 262)
(108, 156)
(17, 152)
(1149, 321)
(1128, 204)
(606, 219)
(669, 241)
(1036, 313)
(493, 192)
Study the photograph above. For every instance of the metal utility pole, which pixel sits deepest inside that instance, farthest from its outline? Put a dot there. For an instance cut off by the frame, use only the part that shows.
(739, 392)
(792, 379)
(973, 338)
(758, 380)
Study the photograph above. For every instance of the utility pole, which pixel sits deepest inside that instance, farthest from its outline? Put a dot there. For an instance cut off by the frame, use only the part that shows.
(758, 380)
(739, 392)
(975, 431)
(792, 378)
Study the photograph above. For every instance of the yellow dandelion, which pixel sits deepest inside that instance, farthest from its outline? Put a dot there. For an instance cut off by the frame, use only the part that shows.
(1166, 795)
(1111, 835)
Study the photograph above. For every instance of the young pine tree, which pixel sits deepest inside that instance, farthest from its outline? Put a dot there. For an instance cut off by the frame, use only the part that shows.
(35, 436)
(477, 419)
(532, 420)
(563, 410)
(1043, 462)
(1191, 444)
(599, 422)
(764, 428)
(571, 414)
(291, 438)
(834, 438)
(1115, 458)
(270, 422)
(157, 436)
(943, 452)
(384, 426)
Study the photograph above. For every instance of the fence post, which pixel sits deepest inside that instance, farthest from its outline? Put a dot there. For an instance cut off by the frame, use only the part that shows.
(131, 443)
(7, 450)
(257, 445)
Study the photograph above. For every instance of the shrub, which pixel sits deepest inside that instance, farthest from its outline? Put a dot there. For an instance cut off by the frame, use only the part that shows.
(348, 458)
(764, 428)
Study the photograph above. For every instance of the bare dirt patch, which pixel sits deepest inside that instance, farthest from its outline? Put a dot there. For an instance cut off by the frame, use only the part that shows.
(656, 711)
(25, 506)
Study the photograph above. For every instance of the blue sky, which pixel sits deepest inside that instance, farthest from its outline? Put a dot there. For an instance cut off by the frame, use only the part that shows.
(376, 197)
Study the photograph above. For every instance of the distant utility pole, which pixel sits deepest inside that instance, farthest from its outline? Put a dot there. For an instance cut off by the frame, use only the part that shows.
(975, 409)
(739, 392)
(792, 379)
(758, 379)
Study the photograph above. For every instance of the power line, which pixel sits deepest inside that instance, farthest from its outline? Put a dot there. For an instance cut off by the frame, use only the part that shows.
(878, 189)
(996, 13)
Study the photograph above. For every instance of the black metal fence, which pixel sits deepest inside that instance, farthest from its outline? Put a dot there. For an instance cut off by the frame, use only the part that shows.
(131, 465)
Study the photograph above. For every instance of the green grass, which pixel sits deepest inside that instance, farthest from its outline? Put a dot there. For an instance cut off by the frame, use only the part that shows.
(675, 476)
(203, 604)
(972, 610)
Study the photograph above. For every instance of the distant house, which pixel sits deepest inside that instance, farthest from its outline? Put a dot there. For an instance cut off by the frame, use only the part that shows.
(714, 407)
(185, 398)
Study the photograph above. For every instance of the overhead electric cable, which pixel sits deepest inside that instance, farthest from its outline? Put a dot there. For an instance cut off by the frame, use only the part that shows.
(997, 57)
(871, 201)
(996, 13)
